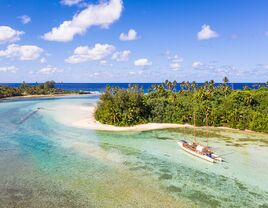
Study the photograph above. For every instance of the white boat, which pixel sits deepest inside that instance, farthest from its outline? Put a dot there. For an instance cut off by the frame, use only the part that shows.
(199, 151)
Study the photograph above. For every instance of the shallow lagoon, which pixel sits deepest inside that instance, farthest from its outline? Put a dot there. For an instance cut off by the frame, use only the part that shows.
(46, 162)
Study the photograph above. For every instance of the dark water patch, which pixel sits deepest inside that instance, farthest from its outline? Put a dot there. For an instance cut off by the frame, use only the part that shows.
(264, 141)
(164, 138)
(173, 189)
(199, 132)
(123, 149)
(143, 167)
(241, 186)
(35, 195)
(165, 170)
(238, 145)
(205, 199)
(165, 177)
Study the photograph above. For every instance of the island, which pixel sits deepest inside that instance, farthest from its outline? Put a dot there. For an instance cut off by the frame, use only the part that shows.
(45, 89)
(163, 104)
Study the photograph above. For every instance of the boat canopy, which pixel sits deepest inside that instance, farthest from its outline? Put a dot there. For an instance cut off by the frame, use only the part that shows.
(199, 148)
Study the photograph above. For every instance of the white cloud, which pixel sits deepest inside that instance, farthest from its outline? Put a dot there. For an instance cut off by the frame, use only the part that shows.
(131, 35)
(84, 53)
(143, 62)
(11, 69)
(25, 19)
(206, 33)
(136, 73)
(175, 61)
(121, 56)
(174, 66)
(197, 65)
(24, 52)
(70, 2)
(49, 70)
(7, 34)
(43, 60)
(103, 62)
(102, 15)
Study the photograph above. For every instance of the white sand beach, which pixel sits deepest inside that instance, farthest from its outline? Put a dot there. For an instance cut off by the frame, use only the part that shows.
(91, 123)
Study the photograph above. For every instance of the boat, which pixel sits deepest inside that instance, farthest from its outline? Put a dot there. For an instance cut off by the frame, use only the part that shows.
(199, 150)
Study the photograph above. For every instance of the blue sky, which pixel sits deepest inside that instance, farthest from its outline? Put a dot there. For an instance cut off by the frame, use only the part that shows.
(133, 40)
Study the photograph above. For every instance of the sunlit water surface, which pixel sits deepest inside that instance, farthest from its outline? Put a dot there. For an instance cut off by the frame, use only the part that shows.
(47, 162)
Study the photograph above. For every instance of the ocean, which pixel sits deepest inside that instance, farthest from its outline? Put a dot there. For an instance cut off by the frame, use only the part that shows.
(48, 161)
(99, 87)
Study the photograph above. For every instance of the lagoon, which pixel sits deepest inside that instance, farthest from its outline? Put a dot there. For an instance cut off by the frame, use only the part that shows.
(47, 162)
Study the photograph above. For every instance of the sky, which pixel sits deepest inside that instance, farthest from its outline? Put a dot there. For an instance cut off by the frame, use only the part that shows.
(133, 40)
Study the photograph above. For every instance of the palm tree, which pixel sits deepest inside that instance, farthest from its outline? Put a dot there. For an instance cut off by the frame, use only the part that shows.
(188, 85)
(225, 80)
(170, 86)
(211, 85)
(182, 85)
(174, 83)
(225, 86)
(166, 83)
(206, 85)
(194, 86)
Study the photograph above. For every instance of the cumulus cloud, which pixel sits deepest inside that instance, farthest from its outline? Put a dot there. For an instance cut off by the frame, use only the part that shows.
(70, 2)
(25, 19)
(103, 62)
(24, 52)
(213, 67)
(142, 62)
(7, 34)
(175, 61)
(103, 14)
(121, 56)
(131, 35)
(174, 66)
(197, 65)
(49, 70)
(136, 73)
(84, 53)
(206, 33)
(9, 69)
(43, 60)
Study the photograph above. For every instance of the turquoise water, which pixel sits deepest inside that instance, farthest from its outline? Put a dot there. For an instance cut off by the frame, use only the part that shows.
(47, 162)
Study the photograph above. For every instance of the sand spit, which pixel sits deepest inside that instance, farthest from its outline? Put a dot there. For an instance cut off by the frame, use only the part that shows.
(91, 123)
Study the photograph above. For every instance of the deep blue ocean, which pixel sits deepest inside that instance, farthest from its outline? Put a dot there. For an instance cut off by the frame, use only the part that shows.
(99, 87)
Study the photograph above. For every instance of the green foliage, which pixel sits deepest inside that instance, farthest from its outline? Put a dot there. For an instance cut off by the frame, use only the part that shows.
(242, 109)
(46, 88)
(122, 107)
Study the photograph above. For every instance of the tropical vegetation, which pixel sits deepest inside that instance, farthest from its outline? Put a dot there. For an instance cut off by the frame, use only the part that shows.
(220, 103)
(47, 88)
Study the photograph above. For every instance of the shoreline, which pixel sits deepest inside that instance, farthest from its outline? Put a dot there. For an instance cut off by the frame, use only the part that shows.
(41, 96)
(92, 123)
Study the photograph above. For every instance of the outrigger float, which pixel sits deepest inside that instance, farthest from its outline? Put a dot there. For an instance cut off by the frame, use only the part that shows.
(198, 150)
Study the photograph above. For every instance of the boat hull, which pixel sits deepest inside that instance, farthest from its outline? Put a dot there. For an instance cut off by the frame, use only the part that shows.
(204, 157)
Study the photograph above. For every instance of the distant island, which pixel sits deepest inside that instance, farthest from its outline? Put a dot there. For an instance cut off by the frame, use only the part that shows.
(43, 89)
(222, 105)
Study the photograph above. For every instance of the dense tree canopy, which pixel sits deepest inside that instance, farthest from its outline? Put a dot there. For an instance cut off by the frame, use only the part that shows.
(46, 88)
(242, 109)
